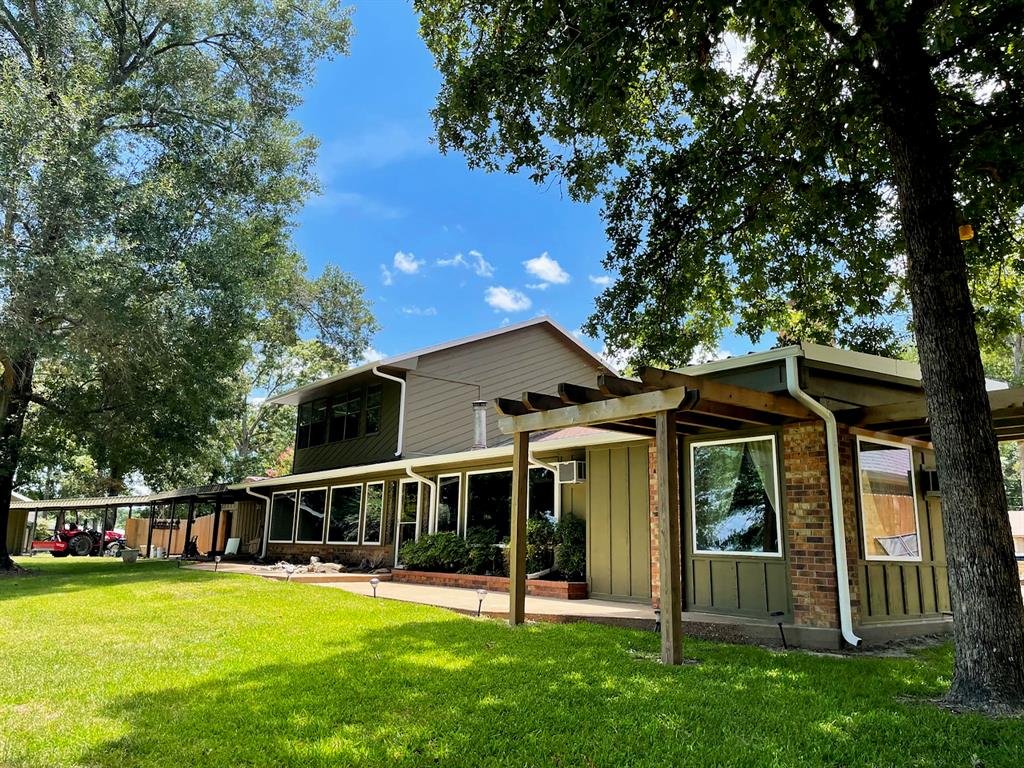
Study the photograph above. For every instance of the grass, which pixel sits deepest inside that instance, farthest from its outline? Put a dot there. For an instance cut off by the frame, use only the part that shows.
(104, 664)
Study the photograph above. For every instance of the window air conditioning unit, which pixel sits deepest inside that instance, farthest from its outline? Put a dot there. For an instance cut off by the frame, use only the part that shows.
(571, 472)
(930, 482)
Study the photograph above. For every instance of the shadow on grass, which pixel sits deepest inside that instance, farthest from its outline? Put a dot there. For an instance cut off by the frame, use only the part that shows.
(49, 575)
(472, 693)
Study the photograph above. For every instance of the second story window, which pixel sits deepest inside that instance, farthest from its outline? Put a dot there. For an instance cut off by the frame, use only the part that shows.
(318, 423)
(302, 431)
(345, 413)
(374, 404)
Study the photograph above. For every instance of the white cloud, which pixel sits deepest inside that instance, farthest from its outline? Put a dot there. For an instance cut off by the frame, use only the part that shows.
(538, 286)
(602, 280)
(476, 261)
(507, 299)
(547, 269)
(371, 355)
(358, 204)
(385, 275)
(419, 311)
(407, 263)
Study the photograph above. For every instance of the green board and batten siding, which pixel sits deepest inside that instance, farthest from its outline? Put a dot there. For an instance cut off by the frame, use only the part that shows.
(618, 531)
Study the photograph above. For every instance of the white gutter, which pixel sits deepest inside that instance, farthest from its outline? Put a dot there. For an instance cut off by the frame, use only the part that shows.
(266, 520)
(836, 498)
(401, 405)
(432, 484)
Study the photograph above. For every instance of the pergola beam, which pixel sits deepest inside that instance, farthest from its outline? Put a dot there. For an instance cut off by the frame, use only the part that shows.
(615, 410)
(730, 395)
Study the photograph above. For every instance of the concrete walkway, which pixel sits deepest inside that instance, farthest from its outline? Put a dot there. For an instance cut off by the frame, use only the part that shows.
(496, 604)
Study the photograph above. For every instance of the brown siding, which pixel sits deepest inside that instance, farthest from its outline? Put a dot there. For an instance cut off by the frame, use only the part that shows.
(439, 416)
(359, 450)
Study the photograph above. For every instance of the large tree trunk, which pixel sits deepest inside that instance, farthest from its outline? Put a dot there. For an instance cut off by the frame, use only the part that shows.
(17, 388)
(988, 616)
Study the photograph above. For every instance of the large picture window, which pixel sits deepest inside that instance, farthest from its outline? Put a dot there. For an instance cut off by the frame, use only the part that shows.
(489, 502)
(312, 510)
(735, 497)
(282, 516)
(888, 501)
(373, 514)
(448, 488)
(541, 494)
(343, 524)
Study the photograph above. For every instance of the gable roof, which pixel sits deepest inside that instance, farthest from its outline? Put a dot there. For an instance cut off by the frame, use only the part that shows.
(408, 359)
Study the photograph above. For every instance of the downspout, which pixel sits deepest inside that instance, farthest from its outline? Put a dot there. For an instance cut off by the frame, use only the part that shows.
(432, 485)
(266, 520)
(401, 406)
(836, 497)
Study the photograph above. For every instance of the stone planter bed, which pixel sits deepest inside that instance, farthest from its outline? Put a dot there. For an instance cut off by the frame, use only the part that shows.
(566, 590)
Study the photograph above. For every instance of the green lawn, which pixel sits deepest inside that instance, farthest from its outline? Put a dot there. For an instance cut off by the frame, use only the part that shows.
(105, 664)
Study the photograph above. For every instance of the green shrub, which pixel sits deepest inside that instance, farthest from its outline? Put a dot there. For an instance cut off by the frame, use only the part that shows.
(485, 556)
(540, 544)
(441, 552)
(571, 548)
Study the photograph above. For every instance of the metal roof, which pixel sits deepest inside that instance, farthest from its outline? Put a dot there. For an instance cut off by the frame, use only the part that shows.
(94, 502)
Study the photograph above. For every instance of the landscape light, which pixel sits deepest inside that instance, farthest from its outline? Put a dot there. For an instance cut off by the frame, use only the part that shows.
(481, 593)
(373, 583)
(778, 615)
(216, 562)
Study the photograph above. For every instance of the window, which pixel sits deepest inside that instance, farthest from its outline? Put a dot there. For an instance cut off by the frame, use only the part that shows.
(373, 516)
(408, 515)
(302, 430)
(541, 494)
(489, 502)
(345, 413)
(282, 516)
(312, 509)
(735, 497)
(318, 423)
(374, 403)
(343, 524)
(448, 488)
(888, 502)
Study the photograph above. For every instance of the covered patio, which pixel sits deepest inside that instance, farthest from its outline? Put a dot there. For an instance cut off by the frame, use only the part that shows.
(660, 404)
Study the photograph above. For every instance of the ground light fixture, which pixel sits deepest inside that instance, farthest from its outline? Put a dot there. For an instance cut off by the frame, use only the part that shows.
(480, 593)
(778, 615)
(216, 562)
(373, 583)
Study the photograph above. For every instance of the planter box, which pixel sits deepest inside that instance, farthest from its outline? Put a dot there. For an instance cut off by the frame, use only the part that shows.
(567, 590)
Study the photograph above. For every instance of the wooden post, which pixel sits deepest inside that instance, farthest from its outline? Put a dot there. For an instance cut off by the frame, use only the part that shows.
(103, 532)
(216, 529)
(670, 563)
(171, 520)
(517, 546)
(149, 533)
(188, 525)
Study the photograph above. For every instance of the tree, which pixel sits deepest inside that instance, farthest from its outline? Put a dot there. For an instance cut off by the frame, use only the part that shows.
(148, 173)
(798, 166)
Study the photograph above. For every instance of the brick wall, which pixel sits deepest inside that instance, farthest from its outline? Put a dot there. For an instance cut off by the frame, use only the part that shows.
(809, 525)
(652, 475)
(850, 515)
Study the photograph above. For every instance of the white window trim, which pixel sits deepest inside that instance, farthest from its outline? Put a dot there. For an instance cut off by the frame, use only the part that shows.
(298, 506)
(365, 517)
(398, 512)
(778, 490)
(436, 503)
(913, 495)
(327, 520)
(295, 517)
(464, 494)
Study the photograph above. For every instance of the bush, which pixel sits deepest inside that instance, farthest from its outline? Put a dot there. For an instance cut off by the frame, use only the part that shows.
(571, 548)
(485, 556)
(441, 552)
(540, 544)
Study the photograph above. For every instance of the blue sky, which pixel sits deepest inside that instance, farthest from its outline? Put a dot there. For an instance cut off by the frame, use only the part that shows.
(444, 251)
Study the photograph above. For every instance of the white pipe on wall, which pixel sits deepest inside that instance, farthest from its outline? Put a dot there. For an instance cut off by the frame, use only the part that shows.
(836, 497)
(401, 406)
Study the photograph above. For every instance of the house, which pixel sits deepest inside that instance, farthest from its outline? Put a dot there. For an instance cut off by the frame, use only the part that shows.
(796, 485)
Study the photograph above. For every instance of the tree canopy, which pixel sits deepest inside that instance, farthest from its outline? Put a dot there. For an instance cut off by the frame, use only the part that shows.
(149, 172)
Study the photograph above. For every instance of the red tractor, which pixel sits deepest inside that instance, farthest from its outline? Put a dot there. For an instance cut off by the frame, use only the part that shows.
(81, 542)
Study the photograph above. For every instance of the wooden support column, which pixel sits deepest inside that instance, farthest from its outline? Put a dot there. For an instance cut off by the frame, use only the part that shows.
(188, 525)
(517, 546)
(103, 532)
(216, 530)
(670, 561)
(171, 520)
(149, 533)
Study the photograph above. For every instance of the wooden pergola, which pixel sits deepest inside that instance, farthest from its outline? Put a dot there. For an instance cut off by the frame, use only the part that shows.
(661, 404)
